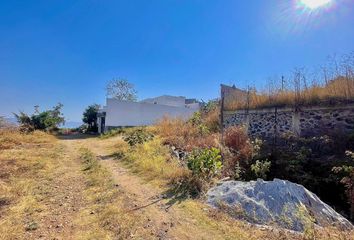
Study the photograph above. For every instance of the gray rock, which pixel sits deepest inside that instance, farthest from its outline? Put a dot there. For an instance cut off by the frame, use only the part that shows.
(277, 203)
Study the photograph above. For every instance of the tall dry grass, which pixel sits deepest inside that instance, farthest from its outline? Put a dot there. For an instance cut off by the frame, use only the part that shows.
(333, 84)
(184, 135)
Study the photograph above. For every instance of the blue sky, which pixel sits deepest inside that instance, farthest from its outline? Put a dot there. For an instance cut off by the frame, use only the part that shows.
(66, 51)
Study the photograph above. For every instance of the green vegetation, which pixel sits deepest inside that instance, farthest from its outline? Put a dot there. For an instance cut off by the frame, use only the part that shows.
(138, 136)
(261, 168)
(205, 163)
(48, 120)
(90, 117)
(347, 173)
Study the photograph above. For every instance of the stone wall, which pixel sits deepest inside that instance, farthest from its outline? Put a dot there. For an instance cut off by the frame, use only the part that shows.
(310, 121)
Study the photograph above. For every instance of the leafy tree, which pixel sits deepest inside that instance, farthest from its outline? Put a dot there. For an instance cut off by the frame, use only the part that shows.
(121, 89)
(47, 120)
(90, 117)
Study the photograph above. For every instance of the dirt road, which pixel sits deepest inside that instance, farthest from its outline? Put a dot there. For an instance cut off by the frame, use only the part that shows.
(163, 217)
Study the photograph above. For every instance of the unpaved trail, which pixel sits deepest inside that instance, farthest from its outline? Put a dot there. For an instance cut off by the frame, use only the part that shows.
(64, 198)
(161, 217)
(147, 201)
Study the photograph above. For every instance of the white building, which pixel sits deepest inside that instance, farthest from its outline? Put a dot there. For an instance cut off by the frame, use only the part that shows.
(119, 113)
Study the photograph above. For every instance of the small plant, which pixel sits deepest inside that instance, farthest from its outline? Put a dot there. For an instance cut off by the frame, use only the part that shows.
(307, 221)
(205, 163)
(197, 121)
(261, 168)
(138, 136)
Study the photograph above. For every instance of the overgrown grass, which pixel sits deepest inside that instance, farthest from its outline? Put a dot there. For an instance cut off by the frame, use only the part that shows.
(153, 160)
(333, 85)
(186, 135)
(106, 216)
(112, 133)
(25, 164)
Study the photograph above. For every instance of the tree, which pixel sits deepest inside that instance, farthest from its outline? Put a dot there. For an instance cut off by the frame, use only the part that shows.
(121, 89)
(90, 117)
(48, 120)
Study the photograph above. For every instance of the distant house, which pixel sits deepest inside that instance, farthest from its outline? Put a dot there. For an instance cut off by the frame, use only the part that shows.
(118, 113)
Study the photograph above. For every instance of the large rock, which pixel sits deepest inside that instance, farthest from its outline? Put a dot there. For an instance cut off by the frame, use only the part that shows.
(278, 202)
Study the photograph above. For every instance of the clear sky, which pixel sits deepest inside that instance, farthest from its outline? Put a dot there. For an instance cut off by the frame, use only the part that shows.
(66, 51)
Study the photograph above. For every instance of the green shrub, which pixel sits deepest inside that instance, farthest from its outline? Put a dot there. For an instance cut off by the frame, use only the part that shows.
(138, 136)
(261, 168)
(205, 163)
(48, 120)
(197, 121)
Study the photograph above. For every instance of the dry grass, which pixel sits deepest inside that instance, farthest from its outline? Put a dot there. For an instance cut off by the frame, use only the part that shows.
(12, 138)
(338, 91)
(184, 135)
(153, 160)
(25, 161)
(106, 215)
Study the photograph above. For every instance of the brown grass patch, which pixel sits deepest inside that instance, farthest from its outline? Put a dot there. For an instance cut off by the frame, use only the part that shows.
(184, 135)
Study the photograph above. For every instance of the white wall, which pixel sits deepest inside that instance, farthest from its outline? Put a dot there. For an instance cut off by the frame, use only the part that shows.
(125, 113)
(167, 100)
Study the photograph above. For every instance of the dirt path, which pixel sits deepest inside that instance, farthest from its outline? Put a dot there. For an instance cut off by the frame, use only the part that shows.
(163, 220)
(158, 218)
(63, 199)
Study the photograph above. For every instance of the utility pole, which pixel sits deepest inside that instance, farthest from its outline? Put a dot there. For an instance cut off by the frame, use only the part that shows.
(282, 83)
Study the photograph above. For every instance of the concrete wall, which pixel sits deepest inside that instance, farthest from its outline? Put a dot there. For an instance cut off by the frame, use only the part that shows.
(310, 121)
(125, 113)
(167, 100)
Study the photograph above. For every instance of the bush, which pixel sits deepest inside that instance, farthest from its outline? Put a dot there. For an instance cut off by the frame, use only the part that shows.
(138, 136)
(347, 180)
(48, 120)
(261, 168)
(205, 163)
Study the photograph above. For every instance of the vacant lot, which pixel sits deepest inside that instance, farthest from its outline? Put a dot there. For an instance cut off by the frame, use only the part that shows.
(75, 188)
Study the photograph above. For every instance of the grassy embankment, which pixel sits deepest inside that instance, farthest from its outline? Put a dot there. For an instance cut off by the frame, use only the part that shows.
(153, 162)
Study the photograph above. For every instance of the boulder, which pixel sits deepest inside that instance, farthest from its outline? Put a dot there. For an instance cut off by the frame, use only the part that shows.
(275, 203)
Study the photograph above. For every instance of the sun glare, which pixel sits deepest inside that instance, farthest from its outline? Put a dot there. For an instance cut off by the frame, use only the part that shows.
(313, 4)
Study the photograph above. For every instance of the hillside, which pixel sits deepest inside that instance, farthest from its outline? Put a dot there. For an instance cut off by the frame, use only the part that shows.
(75, 187)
